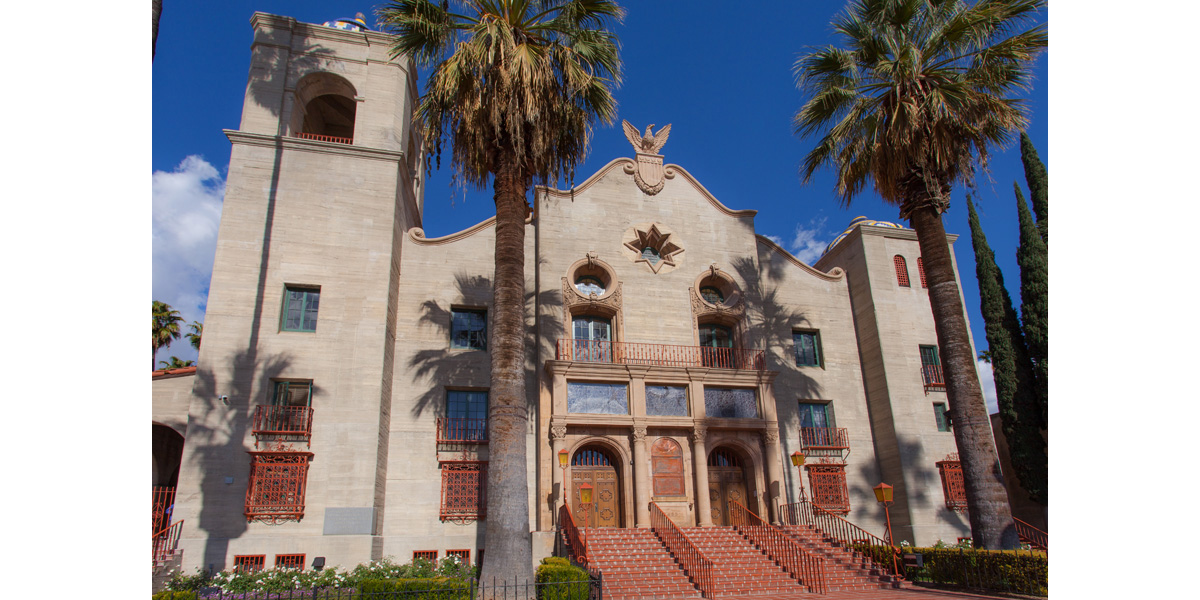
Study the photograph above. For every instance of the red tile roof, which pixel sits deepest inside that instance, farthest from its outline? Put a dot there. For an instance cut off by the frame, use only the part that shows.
(168, 373)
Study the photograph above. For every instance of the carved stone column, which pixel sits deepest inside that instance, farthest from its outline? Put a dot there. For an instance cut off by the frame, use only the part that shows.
(641, 478)
(700, 468)
(558, 442)
(774, 470)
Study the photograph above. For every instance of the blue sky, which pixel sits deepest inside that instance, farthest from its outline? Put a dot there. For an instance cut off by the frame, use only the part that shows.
(722, 78)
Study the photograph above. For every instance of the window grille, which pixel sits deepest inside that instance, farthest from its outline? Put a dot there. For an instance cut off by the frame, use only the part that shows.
(901, 270)
(464, 556)
(828, 485)
(921, 271)
(429, 555)
(723, 457)
(464, 490)
(590, 458)
(275, 490)
(289, 561)
(953, 488)
(249, 562)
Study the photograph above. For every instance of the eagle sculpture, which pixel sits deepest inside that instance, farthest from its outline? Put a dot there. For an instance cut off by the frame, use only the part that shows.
(646, 144)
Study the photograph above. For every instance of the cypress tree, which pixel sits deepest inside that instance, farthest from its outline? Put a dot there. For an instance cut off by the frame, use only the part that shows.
(1035, 287)
(1012, 370)
(1039, 184)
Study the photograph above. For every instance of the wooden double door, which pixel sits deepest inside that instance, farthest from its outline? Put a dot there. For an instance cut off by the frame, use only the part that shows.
(725, 486)
(605, 508)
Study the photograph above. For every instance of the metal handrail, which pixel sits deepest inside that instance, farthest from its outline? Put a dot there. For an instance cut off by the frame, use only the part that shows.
(576, 539)
(161, 503)
(1036, 537)
(665, 355)
(691, 559)
(840, 531)
(933, 377)
(824, 437)
(325, 138)
(165, 542)
(462, 430)
(282, 420)
(806, 567)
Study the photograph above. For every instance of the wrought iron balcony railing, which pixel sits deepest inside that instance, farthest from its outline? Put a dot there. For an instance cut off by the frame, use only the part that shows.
(824, 437)
(664, 355)
(282, 420)
(456, 430)
(932, 376)
(325, 138)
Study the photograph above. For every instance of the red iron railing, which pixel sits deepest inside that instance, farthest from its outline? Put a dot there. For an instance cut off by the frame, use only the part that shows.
(163, 499)
(325, 138)
(276, 486)
(575, 537)
(824, 437)
(806, 567)
(664, 355)
(282, 420)
(464, 490)
(166, 541)
(1032, 535)
(932, 376)
(841, 531)
(460, 430)
(698, 567)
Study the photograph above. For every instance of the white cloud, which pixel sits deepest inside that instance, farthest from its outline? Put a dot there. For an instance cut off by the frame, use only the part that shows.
(774, 238)
(186, 215)
(984, 369)
(809, 244)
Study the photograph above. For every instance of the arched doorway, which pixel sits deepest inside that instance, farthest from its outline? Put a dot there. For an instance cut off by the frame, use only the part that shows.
(595, 466)
(726, 483)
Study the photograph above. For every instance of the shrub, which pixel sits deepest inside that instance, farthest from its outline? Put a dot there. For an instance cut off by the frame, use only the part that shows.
(556, 560)
(1017, 571)
(436, 588)
(174, 595)
(180, 582)
(574, 583)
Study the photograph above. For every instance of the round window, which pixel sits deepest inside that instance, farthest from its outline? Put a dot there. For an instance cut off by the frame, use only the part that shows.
(587, 284)
(712, 295)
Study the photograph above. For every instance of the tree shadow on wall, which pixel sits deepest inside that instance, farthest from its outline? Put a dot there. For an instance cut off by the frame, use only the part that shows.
(442, 367)
(926, 493)
(218, 435)
(269, 78)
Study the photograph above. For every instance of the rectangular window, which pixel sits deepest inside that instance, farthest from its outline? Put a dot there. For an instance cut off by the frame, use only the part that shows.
(816, 414)
(942, 415)
(921, 271)
(666, 401)
(464, 490)
(597, 398)
(929, 356)
(931, 368)
(291, 393)
(828, 485)
(468, 329)
(289, 561)
(953, 488)
(300, 306)
(463, 556)
(249, 562)
(730, 403)
(275, 490)
(808, 348)
(429, 555)
(466, 416)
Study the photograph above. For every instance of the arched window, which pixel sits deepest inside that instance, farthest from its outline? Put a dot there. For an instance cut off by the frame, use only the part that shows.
(921, 271)
(666, 463)
(325, 109)
(901, 271)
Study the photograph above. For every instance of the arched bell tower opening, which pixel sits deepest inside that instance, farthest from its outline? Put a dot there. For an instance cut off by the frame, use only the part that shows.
(325, 109)
(596, 466)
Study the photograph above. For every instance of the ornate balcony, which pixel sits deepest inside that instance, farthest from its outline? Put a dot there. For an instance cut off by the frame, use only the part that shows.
(663, 355)
(454, 430)
(325, 138)
(932, 376)
(824, 437)
(282, 420)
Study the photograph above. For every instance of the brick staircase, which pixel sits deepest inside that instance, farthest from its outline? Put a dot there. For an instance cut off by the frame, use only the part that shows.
(740, 568)
(636, 565)
(845, 569)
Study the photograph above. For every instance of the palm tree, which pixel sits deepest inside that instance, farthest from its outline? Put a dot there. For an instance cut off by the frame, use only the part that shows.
(165, 327)
(194, 337)
(911, 104)
(156, 8)
(516, 87)
(176, 363)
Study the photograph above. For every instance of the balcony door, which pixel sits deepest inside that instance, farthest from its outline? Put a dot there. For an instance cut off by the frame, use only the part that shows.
(716, 346)
(592, 339)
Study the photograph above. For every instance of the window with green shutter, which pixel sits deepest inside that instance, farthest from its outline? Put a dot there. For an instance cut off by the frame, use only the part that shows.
(300, 306)
(808, 348)
(942, 414)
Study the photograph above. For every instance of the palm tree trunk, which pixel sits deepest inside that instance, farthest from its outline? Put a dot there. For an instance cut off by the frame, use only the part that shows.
(509, 555)
(991, 518)
(156, 6)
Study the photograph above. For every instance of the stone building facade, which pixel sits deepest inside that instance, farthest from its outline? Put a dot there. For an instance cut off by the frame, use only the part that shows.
(675, 356)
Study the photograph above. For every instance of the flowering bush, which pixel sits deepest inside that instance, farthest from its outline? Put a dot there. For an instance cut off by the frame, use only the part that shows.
(251, 585)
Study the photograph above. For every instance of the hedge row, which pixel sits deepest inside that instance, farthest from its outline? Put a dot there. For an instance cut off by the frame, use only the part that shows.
(556, 569)
(435, 588)
(1017, 571)
(169, 595)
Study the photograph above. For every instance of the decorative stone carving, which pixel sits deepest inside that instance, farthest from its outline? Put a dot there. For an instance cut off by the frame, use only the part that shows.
(648, 171)
(771, 436)
(639, 434)
(658, 237)
(573, 297)
(558, 432)
(698, 434)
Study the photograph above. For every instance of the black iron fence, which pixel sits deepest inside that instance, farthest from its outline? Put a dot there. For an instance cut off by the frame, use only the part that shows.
(592, 589)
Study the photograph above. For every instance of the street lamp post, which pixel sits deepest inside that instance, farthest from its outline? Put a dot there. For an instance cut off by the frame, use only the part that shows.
(563, 455)
(798, 462)
(883, 495)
